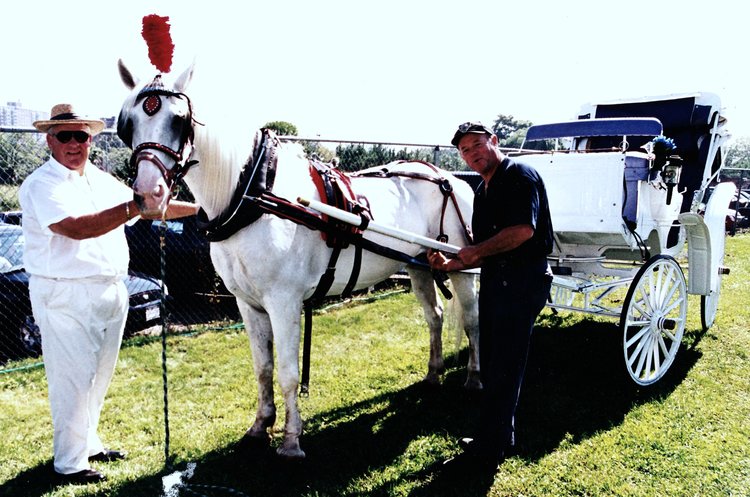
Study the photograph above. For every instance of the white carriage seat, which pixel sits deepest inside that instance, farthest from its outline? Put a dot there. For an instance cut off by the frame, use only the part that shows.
(586, 196)
(593, 193)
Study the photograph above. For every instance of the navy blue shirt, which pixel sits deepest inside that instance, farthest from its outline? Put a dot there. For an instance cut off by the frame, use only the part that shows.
(515, 195)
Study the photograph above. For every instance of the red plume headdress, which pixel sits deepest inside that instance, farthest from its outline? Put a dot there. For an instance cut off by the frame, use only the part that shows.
(160, 46)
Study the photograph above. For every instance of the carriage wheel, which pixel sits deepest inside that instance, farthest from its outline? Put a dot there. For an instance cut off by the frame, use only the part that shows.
(653, 319)
(710, 302)
(709, 306)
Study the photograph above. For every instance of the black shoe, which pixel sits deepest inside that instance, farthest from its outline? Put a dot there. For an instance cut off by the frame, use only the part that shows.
(82, 477)
(470, 463)
(471, 445)
(467, 444)
(108, 456)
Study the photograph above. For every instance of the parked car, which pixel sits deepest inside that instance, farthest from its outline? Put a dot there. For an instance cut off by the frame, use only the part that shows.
(19, 335)
(11, 217)
(189, 272)
(738, 213)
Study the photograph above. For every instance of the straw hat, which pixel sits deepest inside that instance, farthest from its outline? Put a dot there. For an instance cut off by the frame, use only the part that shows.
(64, 114)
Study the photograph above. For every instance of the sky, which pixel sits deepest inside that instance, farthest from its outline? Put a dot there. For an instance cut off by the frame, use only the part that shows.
(399, 71)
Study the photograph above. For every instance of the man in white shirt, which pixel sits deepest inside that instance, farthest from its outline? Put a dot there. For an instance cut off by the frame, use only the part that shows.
(76, 254)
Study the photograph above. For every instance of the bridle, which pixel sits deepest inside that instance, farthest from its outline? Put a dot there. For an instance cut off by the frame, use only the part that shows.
(151, 97)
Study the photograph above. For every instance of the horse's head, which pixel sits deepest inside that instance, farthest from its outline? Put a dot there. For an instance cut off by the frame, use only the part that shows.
(157, 123)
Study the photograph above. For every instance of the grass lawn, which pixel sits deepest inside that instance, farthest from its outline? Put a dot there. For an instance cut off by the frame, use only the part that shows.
(583, 427)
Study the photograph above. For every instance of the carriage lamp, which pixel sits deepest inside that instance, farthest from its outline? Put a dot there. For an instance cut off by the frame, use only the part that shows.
(670, 174)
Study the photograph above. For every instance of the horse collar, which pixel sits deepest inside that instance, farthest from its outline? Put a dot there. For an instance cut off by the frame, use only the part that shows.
(257, 177)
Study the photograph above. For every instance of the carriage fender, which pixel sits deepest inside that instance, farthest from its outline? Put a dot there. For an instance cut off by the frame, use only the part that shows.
(705, 237)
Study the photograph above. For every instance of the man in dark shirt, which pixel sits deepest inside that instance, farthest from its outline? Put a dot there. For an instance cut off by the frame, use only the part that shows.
(512, 238)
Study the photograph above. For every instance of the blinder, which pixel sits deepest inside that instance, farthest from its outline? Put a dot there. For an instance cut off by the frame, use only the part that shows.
(125, 129)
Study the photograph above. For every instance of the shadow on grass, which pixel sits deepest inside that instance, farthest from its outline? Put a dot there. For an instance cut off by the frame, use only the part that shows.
(575, 386)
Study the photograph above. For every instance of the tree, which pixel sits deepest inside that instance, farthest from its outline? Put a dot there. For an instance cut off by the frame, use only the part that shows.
(317, 151)
(738, 154)
(510, 131)
(282, 128)
(20, 153)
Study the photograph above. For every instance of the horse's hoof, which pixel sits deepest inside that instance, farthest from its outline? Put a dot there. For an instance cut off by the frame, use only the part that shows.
(255, 442)
(431, 380)
(290, 454)
(473, 385)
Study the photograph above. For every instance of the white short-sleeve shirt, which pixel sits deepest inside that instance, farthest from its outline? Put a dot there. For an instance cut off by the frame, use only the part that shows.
(53, 192)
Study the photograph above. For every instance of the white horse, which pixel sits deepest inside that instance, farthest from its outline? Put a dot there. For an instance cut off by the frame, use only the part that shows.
(273, 264)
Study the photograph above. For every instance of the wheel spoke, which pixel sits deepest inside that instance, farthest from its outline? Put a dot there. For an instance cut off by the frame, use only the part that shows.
(639, 322)
(657, 361)
(672, 290)
(657, 286)
(646, 299)
(673, 305)
(669, 335)
(648, 352)
(636, 352)
(663, 346)
(638, 335)
(638, 306)
(640, 353)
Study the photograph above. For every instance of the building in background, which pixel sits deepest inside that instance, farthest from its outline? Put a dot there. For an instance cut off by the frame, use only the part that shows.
(14, 115)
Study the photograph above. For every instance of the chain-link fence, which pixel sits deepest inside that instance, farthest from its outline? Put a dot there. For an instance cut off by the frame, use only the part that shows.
(175, 252)
(194, 293)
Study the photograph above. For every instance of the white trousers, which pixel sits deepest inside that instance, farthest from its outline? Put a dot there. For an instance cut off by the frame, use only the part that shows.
(81, 324)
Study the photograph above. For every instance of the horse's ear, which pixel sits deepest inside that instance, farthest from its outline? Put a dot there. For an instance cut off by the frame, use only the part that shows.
(184, 80)
(125, 75)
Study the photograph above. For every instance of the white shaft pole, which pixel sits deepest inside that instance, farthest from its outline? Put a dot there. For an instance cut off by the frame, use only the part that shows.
(397, 233)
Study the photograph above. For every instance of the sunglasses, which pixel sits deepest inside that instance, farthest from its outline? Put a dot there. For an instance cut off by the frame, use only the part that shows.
(65, 136)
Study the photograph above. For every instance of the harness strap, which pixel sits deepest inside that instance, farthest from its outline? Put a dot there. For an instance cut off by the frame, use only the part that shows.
(324, 284)
(304, 389)
(326, 280)
(354, 276)
(445, 187)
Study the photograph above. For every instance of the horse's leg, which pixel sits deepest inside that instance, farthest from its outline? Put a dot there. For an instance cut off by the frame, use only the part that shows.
(426, 293)
(258, 328)
(465, 288)
(285, 319)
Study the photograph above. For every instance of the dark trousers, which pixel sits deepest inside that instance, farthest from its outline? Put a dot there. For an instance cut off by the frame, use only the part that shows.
(510, 299)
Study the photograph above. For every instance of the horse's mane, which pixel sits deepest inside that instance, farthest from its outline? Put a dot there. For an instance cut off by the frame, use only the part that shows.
(220, 160)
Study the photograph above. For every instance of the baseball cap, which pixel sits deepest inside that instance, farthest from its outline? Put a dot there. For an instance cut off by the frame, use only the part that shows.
(469, 127)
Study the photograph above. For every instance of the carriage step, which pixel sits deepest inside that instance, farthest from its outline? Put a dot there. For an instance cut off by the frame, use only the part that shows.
(562, 270)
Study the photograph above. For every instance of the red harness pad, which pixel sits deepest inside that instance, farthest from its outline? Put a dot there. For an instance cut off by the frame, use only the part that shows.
(335, 189)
